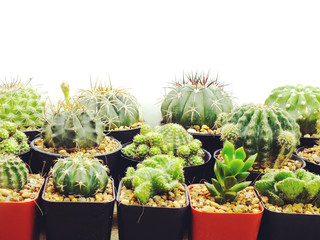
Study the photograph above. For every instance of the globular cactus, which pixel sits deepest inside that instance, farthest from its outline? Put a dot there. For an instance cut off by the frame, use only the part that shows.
(230, 174)
(116, 107)
(196, 100)
(302, 103)
(13, 172)
(22, 104)
(79, 175)
(267, 130)
(285, 187)
(156, 175)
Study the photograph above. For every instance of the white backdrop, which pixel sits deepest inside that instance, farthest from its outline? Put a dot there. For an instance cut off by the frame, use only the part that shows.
(144, 45)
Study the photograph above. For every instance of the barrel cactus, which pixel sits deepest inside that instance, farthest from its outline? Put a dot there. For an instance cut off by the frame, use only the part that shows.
(302, 103)
(116, 107)
(79, 175)
(22, 104)
(13, 172)
(267, 130)
(196, 100)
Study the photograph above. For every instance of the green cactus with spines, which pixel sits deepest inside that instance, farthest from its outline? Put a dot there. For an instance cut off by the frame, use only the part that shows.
(230, 174)
(196, 100)
(116, 106)
(129, 150)
(194, 147)
(283, 187)
(10, 146)
(22, 104)
(153, 176)
(195, 160)
(9, 126)
(183, 151)
(301, 102)
(139, 139)
(145, 129)
(19, 136)
(79, 175)
(155, 151)
(267, 130)
(154, 139)
(13, 172)
(142, 151)
(4, 134)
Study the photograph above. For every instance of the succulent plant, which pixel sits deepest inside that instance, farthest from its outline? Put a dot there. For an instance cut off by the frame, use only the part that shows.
(21, 104)
(196, 100)
(13, 172)
(12, 141)
(302, 103)
(267, 130)
(230, 174)
(285, 187)
(79, 175)
(115, 106)
(155, 175)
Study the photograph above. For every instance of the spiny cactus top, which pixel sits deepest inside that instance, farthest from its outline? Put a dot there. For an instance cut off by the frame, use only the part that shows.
(116, 107)
(13, 172)
(230, 174)
(21, 104)
(79, 175)
(156, 175)
(196, 100)
(303, 104)
(267, 130)
(283, 187)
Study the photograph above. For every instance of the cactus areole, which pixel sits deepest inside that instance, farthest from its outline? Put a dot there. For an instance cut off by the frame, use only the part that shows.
(267, 130)
(302, 103)
(195, 101)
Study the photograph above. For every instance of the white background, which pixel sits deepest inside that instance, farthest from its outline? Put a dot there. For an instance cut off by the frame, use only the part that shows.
(255, 46)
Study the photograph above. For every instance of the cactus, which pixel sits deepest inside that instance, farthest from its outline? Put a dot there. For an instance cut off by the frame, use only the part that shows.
(21, 104)
(285, 187)
(156, 175)
(302, 103)
(145, 128)
(116, 107)
(79, 175)
(13, 172)
(267, 130)
(196, 100)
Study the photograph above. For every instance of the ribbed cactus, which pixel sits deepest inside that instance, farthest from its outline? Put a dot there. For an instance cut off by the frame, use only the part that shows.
(21, 104)
(156, 175)
(283, 187)
(302, 103)
(267, 130)
(230, 174)
(79, 175)
(116, 107)
(196, 100)
(13, 172)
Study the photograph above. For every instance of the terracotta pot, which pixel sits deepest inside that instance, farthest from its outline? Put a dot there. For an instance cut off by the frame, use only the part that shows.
(208, 226)
(123, 136)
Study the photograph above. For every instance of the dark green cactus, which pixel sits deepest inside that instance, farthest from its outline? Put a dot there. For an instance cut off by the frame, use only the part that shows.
(196, 100)
(13, 172)
(302, 103)
(79, 175)
(156, 175)
(230, 174)
(267, 130)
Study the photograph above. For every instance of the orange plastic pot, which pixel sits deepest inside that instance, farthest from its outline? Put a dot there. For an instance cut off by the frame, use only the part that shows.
(209, 226)
(17, 219)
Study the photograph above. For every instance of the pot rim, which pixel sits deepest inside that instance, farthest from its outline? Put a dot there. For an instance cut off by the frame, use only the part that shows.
(123, 130)
(306, 160)
(205, 134)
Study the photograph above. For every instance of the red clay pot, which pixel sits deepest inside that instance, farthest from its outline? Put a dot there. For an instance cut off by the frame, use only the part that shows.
(208, 226)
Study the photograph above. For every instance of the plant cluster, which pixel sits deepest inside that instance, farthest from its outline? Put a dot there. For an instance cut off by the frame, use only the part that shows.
(156, 175)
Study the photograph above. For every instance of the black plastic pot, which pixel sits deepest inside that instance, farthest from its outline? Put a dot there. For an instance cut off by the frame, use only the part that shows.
(78, 220)
(192, 174)
(26, 157)
(308, 141)
(42, 161)
(123, 136)
(156, 223)
(32, 134)
(210, 142)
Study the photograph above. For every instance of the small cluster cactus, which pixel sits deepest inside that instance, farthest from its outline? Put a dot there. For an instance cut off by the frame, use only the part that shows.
(13, 172)
(12, 141)
(230, 174)
(286, 187)
(21, 104)
(267, 130)
(79, 175)
(156, 175)
(302, 103)
(196, 100)
(116, 107)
